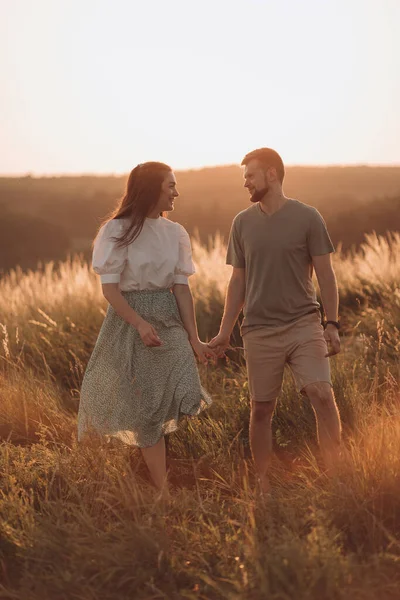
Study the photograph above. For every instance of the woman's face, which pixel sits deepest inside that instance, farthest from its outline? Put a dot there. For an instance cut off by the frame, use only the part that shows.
(168, 193)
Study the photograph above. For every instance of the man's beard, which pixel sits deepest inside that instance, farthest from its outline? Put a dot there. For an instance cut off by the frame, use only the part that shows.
(258, 195)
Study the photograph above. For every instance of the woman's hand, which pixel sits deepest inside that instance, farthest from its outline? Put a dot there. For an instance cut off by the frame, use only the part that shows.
(148, 334)
(203, 352)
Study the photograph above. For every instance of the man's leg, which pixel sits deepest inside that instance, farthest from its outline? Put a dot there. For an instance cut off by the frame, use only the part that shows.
(261, 439)
(265, 355)
(311, 370)
(328, 421)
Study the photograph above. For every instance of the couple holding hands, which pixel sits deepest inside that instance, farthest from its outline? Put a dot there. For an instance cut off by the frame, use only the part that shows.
(142, 377)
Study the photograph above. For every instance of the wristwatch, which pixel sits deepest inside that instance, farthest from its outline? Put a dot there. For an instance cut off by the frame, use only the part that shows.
(335, 323)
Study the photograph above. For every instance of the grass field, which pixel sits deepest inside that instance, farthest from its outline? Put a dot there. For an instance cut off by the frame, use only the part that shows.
(81, 522)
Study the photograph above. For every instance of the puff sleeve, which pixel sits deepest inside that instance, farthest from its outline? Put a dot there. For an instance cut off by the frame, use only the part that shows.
(185, 266)
(109, 260)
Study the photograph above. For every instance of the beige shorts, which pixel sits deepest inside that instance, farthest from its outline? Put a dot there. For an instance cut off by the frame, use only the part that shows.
(301, 345)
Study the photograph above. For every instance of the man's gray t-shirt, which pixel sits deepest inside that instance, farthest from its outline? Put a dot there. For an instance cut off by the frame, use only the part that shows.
(276, 252)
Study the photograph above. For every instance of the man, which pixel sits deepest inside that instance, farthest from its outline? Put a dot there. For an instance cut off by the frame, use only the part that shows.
(273, 247)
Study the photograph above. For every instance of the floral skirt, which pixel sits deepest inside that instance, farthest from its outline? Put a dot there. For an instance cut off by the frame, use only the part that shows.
(138, 393)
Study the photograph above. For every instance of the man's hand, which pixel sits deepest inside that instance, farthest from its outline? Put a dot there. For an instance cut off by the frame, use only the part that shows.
(220, 343)
(331, 334)
(203, 352)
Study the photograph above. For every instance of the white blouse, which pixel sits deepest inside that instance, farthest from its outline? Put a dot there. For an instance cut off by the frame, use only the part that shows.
(158, 258)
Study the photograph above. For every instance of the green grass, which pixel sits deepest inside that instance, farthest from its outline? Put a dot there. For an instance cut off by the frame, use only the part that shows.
(81, 521)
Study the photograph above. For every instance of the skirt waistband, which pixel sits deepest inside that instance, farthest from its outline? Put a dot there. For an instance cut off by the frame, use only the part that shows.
(147, 291)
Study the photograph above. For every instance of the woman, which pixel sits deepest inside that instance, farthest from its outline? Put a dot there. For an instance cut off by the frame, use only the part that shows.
(142, 375)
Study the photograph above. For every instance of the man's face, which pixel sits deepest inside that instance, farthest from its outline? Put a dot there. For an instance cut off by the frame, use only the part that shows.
(256, 180)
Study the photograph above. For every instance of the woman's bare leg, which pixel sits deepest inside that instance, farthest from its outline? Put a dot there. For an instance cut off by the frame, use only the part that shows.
(154, 457)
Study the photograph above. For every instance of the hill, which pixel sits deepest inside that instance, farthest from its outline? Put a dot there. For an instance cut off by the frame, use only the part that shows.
(353, 200)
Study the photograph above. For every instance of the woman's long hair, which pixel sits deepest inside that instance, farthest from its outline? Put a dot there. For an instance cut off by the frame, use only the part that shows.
(142, 194)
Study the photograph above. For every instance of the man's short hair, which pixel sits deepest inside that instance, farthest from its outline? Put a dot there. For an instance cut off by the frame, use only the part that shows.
(268, 158)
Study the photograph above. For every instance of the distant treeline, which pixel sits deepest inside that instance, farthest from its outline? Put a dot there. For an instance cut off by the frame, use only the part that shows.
(46, 219)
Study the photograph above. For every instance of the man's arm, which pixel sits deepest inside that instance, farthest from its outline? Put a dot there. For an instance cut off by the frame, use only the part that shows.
(330, 298)
(234, 303)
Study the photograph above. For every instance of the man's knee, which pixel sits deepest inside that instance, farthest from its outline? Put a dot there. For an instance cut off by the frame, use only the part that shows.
(262, 411)
(320, 395)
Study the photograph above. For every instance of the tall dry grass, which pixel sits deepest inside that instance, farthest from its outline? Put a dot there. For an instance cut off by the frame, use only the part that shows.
(81, 522)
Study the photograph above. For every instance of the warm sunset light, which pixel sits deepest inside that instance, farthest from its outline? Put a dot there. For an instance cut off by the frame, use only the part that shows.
(90, 86)
(200, 299)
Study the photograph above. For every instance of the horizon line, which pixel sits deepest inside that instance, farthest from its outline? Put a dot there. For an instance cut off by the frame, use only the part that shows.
(49, 174)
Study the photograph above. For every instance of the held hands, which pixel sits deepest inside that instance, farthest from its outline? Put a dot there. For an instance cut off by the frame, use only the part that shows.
(203, 351)
(220, 343)
(332, 338)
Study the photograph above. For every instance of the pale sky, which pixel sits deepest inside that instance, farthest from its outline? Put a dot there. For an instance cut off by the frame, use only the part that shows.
(96, 86)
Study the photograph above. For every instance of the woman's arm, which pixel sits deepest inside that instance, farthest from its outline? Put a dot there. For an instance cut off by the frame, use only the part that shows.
(113, 295)
(184, 300)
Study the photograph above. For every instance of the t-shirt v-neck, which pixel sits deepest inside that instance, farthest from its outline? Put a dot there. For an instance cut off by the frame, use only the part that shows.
(276, 213)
